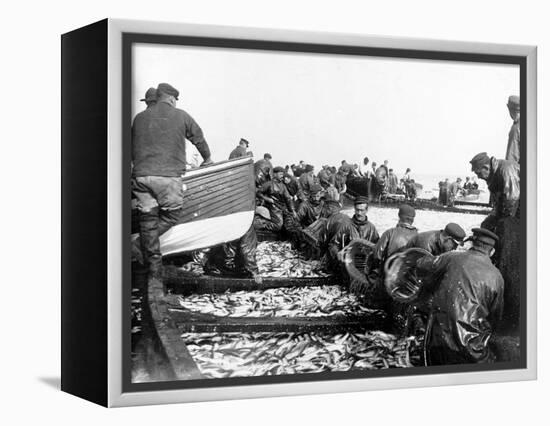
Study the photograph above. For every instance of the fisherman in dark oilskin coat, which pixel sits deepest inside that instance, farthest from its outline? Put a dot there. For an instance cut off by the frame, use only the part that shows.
(310, 210)
(503, 181)
(467, 303)
(276, 198)
(396, 238)
(439, 242)
(365, 229)
(514, 139)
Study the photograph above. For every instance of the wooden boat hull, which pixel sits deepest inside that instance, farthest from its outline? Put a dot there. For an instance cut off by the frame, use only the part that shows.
(218, 207)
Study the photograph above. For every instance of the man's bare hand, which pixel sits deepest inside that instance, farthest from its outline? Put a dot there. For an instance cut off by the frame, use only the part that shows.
(258, 279)
(207, 162)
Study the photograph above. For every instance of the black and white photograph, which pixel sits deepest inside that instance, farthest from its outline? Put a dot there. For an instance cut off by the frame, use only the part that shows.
(321, 214)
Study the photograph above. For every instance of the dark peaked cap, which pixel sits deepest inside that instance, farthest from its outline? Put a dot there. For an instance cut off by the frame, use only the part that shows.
(485, 236)
(455, 231)
(150, 95)
(168, 90)
(406, 211)
(480, 159)
(360, 200)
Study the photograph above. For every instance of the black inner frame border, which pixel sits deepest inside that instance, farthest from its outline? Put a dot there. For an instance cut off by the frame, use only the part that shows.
(129, 39)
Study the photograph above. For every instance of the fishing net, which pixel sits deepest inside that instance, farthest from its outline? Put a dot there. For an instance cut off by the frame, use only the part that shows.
(401, 280)
(358, 261)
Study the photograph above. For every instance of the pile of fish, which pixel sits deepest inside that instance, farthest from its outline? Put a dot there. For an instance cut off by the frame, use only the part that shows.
(220, 355)
(279, 259)
(280, 302)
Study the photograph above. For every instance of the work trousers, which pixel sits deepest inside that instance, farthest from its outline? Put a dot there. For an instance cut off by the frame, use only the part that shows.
(159, 202)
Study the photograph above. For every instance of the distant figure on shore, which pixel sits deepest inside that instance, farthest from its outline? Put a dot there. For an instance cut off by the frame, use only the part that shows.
(512, 150)
(393, 182)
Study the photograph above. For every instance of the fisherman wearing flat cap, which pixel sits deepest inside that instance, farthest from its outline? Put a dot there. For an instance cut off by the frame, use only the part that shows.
(395, 239)
(274, 195)
(503, 181)
(306, 180)
(502, 177)
(512, 150)
(240, 150)
(158, 156)
(150, 98)
(441, 241)
(310, 210)
(365, 229)
(467, 303)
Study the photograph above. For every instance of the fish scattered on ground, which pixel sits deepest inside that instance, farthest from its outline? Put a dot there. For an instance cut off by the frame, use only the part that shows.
(312, 301)
(220, 355)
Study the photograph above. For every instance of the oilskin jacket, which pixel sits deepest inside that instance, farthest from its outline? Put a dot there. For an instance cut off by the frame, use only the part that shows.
(158, 141)
(429, 241)
(306, 180)
(339, 231)
(365, 229)
(393, 240)
(512, 150)
(277, 191)
(505, 187)
(467, 305)
(308, 212)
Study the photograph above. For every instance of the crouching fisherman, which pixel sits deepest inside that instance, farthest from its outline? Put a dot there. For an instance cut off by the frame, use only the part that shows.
(439, 242)
(341, 230)
(467, 303)
(395, 239)
(274, 195)
(235, 259)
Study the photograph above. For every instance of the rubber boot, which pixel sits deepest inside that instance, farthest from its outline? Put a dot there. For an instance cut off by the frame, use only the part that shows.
(149, 240)
(168, 218)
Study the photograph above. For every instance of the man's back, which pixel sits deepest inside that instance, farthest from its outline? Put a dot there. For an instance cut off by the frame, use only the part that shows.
(466, 305)
(428, 241)
(158, 140)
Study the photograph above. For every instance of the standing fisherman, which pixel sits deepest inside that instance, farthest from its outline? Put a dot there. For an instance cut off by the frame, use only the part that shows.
(502, 177)
(306, 180)
(393, 182)
(150, 98)
(466, 304)
(240, 150)
(512, 150)
(158, 155)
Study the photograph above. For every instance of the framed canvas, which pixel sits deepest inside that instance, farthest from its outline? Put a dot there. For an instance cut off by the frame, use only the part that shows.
(250, 212)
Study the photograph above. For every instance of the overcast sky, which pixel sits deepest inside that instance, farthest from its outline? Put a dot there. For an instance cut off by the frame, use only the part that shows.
(432, 116)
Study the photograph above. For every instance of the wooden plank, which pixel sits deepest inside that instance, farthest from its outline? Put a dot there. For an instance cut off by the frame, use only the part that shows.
(170, 345)
(217, 168)
(220, 187)
(219, 198)
(219, 209)
(184, 283)
(225, 176)
(201, 323)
